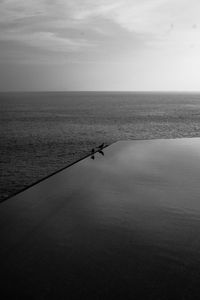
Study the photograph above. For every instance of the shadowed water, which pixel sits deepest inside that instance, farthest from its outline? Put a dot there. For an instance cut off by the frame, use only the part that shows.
(42, 132)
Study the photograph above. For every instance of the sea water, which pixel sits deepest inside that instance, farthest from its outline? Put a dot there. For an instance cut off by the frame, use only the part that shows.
(41, 132)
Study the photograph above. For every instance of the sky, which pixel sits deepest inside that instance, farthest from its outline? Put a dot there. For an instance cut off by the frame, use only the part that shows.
(106, 45)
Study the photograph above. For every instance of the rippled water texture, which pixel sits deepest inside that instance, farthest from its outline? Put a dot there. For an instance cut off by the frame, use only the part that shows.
(42, 132)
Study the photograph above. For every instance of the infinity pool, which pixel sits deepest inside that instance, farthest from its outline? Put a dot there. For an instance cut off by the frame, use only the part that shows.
(124, 224)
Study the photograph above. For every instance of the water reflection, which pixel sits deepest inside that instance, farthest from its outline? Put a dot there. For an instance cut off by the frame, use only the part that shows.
(146, 197)
(126, 226)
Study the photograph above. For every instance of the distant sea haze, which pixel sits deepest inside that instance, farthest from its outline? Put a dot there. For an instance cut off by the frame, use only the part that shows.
(43, 131)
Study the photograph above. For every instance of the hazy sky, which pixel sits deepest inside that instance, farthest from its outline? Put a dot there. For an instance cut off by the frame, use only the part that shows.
(99, 45)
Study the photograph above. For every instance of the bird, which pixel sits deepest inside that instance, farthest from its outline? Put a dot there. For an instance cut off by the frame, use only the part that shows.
(92, 154)
(101, 146)
(101, 152)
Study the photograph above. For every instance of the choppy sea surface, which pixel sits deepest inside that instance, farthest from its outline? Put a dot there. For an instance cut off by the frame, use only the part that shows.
(43, 131)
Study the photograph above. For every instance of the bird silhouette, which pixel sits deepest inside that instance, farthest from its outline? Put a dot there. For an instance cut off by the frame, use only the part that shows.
(101, 146)
(92, 154)
(101, 152)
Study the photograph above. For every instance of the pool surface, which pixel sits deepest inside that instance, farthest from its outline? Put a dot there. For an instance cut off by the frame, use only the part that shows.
(124, 224)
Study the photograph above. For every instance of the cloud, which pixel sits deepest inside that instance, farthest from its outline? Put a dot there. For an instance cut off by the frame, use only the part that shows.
(108, 44)
(46, 40)
(83, 25)
(36, 24)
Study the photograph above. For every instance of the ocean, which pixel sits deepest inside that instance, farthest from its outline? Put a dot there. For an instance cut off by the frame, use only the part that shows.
(41, 132)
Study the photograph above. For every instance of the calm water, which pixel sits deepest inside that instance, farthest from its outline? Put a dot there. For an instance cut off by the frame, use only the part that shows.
(125, 225)
(42, 132)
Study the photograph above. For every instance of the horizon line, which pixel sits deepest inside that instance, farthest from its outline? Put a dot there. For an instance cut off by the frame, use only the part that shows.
(100, 91)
